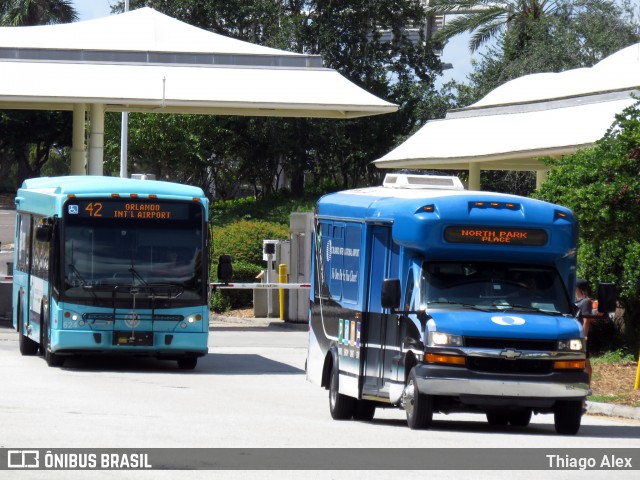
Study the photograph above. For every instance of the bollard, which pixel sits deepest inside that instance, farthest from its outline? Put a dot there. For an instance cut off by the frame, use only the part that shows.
(282, 278)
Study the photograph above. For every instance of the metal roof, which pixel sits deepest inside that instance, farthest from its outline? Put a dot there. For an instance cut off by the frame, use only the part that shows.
(143, 60)
(543, 114)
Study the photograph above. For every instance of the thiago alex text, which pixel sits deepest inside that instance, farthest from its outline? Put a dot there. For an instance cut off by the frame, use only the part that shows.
(70, 461)
(586, 463)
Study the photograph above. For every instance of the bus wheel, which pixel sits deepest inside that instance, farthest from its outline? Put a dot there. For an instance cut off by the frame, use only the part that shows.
(341, 406)
(520, 418)
(27, 346)
(52, 359)
(187, 363)
(497, 419)
(364, 410)
(567, 416)
(418, 406)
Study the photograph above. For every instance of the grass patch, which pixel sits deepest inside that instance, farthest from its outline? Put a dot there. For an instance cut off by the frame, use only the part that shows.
(615, 356)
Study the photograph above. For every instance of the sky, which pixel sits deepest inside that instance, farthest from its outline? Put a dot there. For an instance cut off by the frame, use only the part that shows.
(456, 52)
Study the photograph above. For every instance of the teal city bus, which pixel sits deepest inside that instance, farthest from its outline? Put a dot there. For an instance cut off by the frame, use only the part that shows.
(111, 265)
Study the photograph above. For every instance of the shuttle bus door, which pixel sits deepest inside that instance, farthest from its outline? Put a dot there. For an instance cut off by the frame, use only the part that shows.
(381, 329)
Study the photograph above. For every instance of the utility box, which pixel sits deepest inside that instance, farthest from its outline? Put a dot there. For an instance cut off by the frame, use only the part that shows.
(299, 267)
(266, 301)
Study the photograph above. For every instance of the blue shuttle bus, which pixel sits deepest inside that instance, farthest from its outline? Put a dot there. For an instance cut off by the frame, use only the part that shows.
(431, 298)
(111, 265)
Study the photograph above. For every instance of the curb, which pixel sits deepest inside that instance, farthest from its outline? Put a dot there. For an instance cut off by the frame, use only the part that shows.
(613, 410)
(222, 321)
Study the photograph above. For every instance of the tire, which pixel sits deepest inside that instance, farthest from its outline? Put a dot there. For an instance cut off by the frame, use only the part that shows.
(52, 359)
(418, 406)
(27, 346)
(497, 419)
(520, 418)
(187, 363)
(341, 407)
(364, 410)
(567, 416)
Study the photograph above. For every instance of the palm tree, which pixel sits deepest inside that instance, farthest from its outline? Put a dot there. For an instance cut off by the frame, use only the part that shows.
(36, 12)
(487, 19)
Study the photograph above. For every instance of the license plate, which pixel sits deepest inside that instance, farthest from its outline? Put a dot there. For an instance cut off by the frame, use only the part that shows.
(133, 339)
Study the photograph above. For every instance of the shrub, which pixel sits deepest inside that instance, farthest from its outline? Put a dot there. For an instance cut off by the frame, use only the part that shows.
(243, 240)
(243, 272)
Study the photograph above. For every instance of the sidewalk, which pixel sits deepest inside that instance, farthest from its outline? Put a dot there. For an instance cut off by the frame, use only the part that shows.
(216, 320)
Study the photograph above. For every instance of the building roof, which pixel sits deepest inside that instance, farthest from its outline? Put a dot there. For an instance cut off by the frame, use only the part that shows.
(535, 115)
(143, 60)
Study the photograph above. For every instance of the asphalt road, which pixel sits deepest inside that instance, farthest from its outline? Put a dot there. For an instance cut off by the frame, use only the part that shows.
(250, 391)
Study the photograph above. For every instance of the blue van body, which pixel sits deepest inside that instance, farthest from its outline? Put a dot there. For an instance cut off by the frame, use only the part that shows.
(483, 319)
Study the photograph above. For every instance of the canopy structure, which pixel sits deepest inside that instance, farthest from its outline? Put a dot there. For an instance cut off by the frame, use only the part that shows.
(543, 114)
(145, 61)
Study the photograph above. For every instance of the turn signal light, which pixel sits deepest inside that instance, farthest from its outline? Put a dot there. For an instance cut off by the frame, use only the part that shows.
(448, 359)
(569, 365)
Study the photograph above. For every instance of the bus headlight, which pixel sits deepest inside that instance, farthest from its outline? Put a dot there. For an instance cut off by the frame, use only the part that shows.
(441, 339)
(571, 345)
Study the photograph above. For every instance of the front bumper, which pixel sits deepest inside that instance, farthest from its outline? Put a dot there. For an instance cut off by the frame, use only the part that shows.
(461, 382)
(164, 343)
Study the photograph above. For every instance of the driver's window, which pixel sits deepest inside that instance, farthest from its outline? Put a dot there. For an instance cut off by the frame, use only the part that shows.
(409, 293)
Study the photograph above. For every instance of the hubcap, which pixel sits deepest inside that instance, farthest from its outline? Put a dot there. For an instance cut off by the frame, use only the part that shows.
(408, 398)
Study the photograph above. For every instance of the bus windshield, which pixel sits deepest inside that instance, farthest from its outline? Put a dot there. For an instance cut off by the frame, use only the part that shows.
(493, 286)
(108, 260)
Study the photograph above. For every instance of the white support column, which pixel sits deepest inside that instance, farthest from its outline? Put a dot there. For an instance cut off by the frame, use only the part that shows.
(96, 139)
(474, 176)
(541, 176)
(78, 158)
(124, 144)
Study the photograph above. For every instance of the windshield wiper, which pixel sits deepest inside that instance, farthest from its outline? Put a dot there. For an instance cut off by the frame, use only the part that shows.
(464, 305)
(505, 307)
(77, 273)
(135, 273)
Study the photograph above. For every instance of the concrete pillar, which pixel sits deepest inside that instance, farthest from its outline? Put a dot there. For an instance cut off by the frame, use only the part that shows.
(96, 139)
(474, 176)
(541, 176)
(78, 158)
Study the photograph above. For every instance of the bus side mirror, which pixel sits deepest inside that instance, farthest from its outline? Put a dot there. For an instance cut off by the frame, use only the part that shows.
(606, 298)
(390, 293)
(225, 269)
(44, 232)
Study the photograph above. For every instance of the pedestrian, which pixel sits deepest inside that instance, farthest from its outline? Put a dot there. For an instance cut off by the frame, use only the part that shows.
(585, 314)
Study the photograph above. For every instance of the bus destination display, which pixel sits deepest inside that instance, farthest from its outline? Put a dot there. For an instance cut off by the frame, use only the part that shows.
(127, 209)
(496, 235)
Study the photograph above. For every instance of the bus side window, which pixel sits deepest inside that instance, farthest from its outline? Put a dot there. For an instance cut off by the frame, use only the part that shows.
(24, 237)
(409, 290)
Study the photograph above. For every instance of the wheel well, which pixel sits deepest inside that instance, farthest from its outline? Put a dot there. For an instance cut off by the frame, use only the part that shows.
(409, 362)
(326, 370)
(18, 314)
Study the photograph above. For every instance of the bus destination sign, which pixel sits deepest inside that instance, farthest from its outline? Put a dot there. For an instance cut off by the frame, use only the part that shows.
(496, 235)
(127, 209)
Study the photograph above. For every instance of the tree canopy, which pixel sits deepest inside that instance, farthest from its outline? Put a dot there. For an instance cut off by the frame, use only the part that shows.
(367, 43)
(602, 187)
(19, 13)
(28, 139)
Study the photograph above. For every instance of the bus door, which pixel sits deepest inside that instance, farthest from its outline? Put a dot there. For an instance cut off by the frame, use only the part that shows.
(381, 342)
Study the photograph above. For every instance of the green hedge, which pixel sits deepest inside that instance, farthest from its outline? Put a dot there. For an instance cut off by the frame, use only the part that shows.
(243, 272)
(241, 240)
